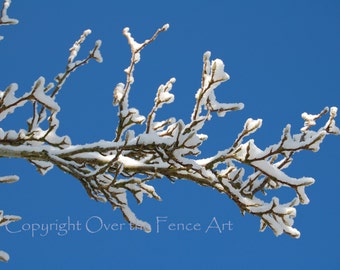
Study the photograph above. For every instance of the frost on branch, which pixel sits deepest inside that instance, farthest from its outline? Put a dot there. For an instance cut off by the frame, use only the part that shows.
(166, 148)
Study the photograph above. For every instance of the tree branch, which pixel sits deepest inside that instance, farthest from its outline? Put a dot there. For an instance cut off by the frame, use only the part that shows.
(168, 148)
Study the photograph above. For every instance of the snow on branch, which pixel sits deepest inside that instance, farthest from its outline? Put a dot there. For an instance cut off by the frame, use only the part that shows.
(167, 148)
(9, 97)
(4, 19)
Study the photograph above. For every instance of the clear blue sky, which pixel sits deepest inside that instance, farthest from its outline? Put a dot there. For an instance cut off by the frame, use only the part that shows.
(283, 58)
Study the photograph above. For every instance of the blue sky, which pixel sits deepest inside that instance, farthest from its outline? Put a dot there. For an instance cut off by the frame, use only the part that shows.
(283, 59)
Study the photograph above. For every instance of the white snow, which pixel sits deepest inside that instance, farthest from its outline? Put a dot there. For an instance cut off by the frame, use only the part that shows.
(8, 100)
(252, 125)
(332, 128)
(333, 111)
(268, 169)
(4, 256)
(130, 162)
(87, 32)
(134, 116)
(160, 125)
(11, 135)
(94, 156)
(9, 179)
(76, 46)
(42, 166)
(218, 73)
(302, 195)
(166, 26)
(213, 75)
(206, 57)
(4, 17)
(135, 46)
(139, 196)
(163, 95)
(8, 97)
(136, 57)
(39, 94)
(134, 220)
(253, 151)
(309, 120)
(97, 55)
(118, 93)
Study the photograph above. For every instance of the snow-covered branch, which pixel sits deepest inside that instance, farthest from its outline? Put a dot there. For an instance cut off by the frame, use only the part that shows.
(4, 19)
(167, 148)
(6, 219)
